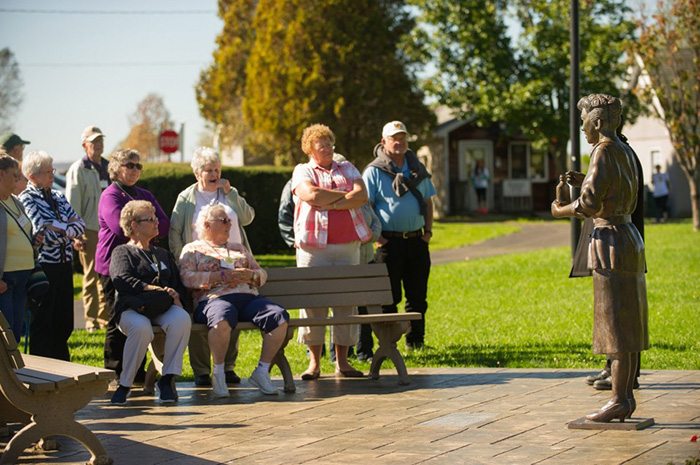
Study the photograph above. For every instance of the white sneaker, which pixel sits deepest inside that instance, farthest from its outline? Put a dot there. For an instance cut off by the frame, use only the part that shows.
(218, 385)
(261, 379)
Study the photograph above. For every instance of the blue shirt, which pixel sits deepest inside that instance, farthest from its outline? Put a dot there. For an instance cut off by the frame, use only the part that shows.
(398, 214)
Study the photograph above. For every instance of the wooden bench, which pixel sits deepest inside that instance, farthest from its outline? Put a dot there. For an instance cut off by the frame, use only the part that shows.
(328, 286)
(44, 394)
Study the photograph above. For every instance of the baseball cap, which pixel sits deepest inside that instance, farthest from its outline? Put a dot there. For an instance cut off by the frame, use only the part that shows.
(10, 139)
(392, 128)
(91, 133)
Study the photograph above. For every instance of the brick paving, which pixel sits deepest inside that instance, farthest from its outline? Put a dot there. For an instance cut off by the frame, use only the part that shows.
(446, 415)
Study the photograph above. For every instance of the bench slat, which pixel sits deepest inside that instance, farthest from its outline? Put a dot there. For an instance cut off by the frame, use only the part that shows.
(325, 272)
(325, 286)
(36, 384)
(330, 300)
(59, 380)
(61, 367)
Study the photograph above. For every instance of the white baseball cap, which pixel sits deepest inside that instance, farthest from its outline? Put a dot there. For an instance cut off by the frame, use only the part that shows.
(392, 128)
(91, 133)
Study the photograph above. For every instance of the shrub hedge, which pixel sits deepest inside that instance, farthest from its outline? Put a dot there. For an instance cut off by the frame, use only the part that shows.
(261, 186)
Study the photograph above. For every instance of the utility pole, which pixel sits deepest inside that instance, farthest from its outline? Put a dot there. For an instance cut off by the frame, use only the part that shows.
(574, 118)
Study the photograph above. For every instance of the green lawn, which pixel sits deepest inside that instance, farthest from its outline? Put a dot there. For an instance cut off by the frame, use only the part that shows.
(522, 310)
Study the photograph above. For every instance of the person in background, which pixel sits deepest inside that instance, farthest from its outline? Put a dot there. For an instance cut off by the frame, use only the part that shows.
(210, 189)
(401, 193)
(85, 180)
(51, 322)
(124, 171)
(14, 147)
(16, 248)
(662, 188)
(328, 230)
(225, 278)
(480, 179)
(139, 266)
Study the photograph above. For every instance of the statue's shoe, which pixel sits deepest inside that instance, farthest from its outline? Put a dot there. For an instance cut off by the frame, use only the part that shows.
(611, 410)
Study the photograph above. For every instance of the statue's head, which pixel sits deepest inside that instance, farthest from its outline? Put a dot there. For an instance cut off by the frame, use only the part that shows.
(603, 108)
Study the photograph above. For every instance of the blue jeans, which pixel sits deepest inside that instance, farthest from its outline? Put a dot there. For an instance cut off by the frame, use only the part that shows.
(14, 299)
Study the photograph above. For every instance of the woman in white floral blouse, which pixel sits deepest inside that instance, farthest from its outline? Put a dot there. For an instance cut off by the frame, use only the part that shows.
(224, 278)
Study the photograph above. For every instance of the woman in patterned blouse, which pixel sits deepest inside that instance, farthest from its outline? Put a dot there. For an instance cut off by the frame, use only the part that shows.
(225, 278)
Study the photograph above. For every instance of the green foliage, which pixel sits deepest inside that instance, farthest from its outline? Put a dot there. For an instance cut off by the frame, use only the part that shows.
(669, 49)
(288, 64)
(486, 77)
(261, 186)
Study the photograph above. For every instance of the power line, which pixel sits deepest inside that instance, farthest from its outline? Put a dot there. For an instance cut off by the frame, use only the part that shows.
(113, 64)
(108, 12)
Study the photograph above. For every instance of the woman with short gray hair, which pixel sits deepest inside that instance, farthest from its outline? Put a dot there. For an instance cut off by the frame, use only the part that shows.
(210, 189)
(124, 170)
(51, 321)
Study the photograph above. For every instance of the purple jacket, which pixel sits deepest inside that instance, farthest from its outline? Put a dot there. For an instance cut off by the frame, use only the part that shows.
(111, 235)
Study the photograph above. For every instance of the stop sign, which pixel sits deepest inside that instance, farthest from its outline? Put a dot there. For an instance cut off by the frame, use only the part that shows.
(169, 141)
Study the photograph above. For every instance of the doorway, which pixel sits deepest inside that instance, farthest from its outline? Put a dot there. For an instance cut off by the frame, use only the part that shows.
(469, 152)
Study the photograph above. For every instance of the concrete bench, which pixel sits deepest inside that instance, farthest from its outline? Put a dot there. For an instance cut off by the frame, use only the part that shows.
(44, 394)
(328, 286)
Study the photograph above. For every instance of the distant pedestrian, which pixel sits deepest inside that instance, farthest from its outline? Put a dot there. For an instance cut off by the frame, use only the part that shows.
(480, 179)
(14, 146)
(401, 192)
(662, 187)
(85, 181)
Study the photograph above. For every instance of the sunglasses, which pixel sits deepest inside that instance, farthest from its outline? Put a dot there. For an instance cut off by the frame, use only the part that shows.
(222, 220)
(147, 220)
(131, 166)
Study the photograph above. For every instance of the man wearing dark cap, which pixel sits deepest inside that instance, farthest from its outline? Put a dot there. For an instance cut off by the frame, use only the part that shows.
(85, 181)
(13, 145)
(401, 192)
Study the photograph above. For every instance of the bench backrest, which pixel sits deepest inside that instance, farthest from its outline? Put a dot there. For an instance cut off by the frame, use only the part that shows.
(9, 344)
(328, 286)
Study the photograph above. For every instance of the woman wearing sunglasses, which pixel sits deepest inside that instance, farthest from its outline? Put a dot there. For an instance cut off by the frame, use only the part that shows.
(210, 189)
(124, 171)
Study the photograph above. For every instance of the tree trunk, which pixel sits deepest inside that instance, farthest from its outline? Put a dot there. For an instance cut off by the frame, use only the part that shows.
(694, 182)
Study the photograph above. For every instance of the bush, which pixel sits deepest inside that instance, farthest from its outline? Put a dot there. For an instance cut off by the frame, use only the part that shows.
(261, 186)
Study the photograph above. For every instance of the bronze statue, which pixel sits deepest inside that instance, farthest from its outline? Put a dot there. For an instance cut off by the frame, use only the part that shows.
(616, 251)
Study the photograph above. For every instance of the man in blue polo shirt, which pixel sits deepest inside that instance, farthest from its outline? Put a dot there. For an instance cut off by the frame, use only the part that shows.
(401, 193)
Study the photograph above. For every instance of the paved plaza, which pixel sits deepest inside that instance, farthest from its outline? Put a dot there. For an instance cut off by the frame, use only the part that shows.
(446, 415)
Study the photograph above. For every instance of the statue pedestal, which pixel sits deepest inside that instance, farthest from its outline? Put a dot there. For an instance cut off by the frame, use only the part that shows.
(631, 424)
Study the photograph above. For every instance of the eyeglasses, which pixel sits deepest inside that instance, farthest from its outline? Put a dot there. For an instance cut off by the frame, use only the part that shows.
(53, 171)
(131, 166)
(324, 147)
(152, 219)
(222, 220)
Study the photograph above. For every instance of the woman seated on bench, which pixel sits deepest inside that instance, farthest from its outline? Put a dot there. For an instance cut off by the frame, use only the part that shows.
(225, 279)
(137, 267)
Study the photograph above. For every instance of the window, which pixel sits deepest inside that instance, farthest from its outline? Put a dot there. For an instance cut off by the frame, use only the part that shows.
(518, 160)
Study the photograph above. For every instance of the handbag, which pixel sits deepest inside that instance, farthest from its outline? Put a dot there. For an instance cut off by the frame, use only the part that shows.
(151, 303)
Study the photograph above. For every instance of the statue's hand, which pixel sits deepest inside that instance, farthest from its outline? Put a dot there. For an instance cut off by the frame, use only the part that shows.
(574, 178)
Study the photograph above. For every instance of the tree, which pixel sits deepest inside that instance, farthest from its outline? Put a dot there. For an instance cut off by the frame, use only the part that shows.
(335, 62)
(147, 122)
(669, 48)
(486, 75)
(10, 88)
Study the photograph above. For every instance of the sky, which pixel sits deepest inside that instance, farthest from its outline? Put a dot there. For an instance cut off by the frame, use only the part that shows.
(91, 66)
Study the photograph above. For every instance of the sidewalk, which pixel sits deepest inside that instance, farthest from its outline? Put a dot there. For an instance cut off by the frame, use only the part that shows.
(446, 416)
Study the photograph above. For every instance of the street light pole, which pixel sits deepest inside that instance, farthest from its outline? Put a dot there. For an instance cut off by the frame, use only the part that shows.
(574, 131)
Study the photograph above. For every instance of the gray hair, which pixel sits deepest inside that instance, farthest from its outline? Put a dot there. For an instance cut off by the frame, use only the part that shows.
(203, 156)
(205, 215)
(130, 213)
(118, 158)
(35, 161)
(7, 162)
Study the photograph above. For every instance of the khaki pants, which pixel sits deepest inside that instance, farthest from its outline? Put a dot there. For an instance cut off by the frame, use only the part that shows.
(94, 304)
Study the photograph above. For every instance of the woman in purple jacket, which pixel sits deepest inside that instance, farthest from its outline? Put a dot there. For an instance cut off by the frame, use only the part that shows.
(124, 170)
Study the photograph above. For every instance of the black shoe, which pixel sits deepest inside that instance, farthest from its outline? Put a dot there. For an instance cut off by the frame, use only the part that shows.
(603, 384)
(232, 377)
(636, 384)
(120, 395)
(202, 380)
(364, 356)
(593, 378)
(167, 393)
(414, 345)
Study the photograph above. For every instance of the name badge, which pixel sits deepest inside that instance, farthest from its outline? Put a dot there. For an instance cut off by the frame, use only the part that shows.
(229, 263)
(155, 267)
(22, 221)
(104, 184)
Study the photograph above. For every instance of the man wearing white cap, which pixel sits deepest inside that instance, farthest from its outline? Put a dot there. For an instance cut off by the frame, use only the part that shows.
(85, 181)
(400, 190)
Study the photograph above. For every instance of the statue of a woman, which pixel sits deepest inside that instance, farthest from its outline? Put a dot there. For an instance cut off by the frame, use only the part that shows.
(616, 251)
